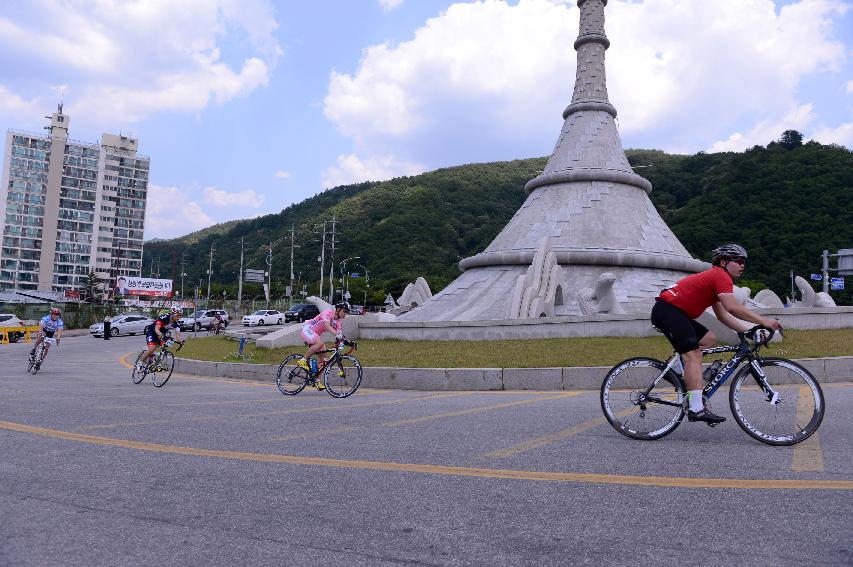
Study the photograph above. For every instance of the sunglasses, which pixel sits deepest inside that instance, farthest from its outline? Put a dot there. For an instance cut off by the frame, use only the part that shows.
(740, 261)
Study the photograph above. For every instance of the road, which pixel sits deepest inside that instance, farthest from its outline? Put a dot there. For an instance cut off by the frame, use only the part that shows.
(98, 471)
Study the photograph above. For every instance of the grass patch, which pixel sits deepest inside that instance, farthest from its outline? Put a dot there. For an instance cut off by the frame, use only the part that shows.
(589, 351)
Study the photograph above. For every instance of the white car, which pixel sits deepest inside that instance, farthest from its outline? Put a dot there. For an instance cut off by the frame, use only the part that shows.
(264, 317)
(10, 320)
(127, 324)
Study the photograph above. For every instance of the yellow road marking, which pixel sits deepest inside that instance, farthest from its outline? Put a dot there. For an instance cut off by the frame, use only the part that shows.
(553, 437)
(335, 407)
(589, 478)
(807, 455)
(477, 409)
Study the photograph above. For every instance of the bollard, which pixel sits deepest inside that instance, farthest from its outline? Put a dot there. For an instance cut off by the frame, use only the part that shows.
(242, 343)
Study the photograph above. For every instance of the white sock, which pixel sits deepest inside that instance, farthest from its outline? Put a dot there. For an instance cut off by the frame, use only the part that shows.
(695, 397)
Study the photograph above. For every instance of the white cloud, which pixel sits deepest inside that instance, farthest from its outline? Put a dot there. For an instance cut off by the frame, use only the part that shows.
(389, 5)
(352, 169)
(221, 198)
(170, 212)
(849, 87)
(764, 132)
(487, 73)
(124, 61)
(15, 106)
(281, 174)
(842, 135)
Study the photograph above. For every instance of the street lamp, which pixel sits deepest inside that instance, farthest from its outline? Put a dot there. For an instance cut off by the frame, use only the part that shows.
(344, 274)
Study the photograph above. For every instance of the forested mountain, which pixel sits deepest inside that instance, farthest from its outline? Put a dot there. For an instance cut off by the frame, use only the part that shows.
(785, 202)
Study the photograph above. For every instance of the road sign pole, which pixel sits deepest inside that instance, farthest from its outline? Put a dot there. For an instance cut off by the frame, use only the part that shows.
(825, 271)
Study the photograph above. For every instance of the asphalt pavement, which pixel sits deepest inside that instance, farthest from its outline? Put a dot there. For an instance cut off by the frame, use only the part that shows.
(98, 471)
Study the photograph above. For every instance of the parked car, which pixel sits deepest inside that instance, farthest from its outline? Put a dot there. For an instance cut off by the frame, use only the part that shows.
(202, 319)
(264, 317)
(127, 324)
(10, 320)
(301, 312)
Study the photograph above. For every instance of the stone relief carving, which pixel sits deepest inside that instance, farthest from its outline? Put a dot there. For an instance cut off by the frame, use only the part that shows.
(533, 294)
(601, 298)
(415, 294)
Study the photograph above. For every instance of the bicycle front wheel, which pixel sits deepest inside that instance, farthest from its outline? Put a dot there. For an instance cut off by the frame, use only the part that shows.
(634, 413)
(163, 369)
(343, 377)
(291, 377)
(34, 362)
(787, 412)
(136, 374)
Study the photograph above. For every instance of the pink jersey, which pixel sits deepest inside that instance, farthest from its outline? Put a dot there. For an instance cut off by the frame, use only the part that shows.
(318, 323)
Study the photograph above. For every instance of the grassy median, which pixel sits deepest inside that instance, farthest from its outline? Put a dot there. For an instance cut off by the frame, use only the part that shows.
(592, 351)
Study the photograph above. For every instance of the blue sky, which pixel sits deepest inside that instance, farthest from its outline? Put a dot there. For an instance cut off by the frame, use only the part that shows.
(247, 106)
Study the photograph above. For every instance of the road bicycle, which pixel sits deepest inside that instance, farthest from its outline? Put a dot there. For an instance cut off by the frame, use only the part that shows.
(341, 373)
(35, 361)
(160, 364)
(774, 400)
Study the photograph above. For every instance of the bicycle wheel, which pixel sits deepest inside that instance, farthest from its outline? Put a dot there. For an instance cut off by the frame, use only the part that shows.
(634, 414)
(163, 369)
(343, 377)
(137, 375)
(32, 363)
(291, 378)
(789, 416)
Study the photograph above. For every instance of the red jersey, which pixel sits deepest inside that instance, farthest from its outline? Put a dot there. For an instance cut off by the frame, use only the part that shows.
(697, 292)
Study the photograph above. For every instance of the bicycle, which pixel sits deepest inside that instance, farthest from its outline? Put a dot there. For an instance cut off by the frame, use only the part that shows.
(292, 378)
(216, 330)
(160, 366)
(644, 398)
(35, 361)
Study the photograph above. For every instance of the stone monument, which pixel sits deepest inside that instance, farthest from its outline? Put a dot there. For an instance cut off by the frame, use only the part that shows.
(587, 227)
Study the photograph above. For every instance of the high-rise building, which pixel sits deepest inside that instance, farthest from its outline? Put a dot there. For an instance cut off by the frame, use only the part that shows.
(70, 208)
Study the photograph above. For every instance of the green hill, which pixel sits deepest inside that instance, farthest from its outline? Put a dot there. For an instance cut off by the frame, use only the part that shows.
(784, 202)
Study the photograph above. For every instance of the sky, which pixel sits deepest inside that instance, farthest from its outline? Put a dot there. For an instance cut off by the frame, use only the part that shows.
(248, 106)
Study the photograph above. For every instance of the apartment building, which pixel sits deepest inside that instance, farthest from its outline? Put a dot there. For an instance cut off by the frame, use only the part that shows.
(70, 208)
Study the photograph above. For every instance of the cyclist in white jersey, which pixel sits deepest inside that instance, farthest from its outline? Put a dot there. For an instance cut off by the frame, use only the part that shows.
(50, 326)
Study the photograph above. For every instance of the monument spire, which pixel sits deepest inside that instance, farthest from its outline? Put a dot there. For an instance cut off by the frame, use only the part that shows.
(587, 223)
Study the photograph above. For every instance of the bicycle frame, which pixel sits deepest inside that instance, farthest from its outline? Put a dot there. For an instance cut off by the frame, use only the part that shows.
(742, 352)
(337, 354)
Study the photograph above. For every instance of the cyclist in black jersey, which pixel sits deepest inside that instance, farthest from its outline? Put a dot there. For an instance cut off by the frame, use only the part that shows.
(155, 331)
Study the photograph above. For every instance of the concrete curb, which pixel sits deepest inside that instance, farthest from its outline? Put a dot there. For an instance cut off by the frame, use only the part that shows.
(838, 369)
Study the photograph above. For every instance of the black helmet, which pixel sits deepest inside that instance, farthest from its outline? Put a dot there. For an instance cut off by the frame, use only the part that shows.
(728, 251)
(343, 305)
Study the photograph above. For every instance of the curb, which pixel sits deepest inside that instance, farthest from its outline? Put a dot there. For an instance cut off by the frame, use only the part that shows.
(826, 370)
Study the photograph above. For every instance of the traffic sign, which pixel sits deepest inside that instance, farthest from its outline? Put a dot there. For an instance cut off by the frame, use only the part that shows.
(836, 286)
(817, 277)
(836, 281)
(355, 275)
(254, 276)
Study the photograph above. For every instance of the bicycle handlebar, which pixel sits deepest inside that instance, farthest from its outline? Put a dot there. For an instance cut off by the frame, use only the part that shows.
(759, 334)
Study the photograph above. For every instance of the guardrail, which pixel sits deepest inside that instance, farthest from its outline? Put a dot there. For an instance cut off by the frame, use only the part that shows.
(24, 330)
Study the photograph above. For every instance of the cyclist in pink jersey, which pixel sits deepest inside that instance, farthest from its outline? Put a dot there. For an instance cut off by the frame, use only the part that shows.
(678, 305)
(331, 321)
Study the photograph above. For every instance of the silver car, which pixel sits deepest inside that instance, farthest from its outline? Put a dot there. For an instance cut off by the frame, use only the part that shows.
(128, 324)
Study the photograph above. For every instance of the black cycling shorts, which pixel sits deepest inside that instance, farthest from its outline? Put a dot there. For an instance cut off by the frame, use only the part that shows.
(48, 334)
(683, 332)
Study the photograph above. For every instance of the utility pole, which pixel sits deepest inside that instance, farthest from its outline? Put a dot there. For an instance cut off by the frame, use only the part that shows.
(240, 275)
(322, 258)
(183, 275)
(209, 274)
(332, 264)
(269, 275)
(292, 246)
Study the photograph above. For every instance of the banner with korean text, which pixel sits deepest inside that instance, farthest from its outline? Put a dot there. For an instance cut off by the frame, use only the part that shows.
(126, 285)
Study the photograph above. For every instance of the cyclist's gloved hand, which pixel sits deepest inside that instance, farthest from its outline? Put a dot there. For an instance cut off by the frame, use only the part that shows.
(339, 337)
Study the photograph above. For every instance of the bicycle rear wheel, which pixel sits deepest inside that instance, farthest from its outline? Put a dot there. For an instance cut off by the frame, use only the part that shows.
(291, 377)
(137, 375)
(632, 412)
(35, 362)
(343, 377)
(788, 415)
(163, 369)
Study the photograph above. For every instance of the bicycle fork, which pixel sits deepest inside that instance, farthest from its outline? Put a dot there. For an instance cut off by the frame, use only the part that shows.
(761, 379)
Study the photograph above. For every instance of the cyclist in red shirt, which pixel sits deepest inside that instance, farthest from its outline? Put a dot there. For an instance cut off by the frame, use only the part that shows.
(677, 307)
